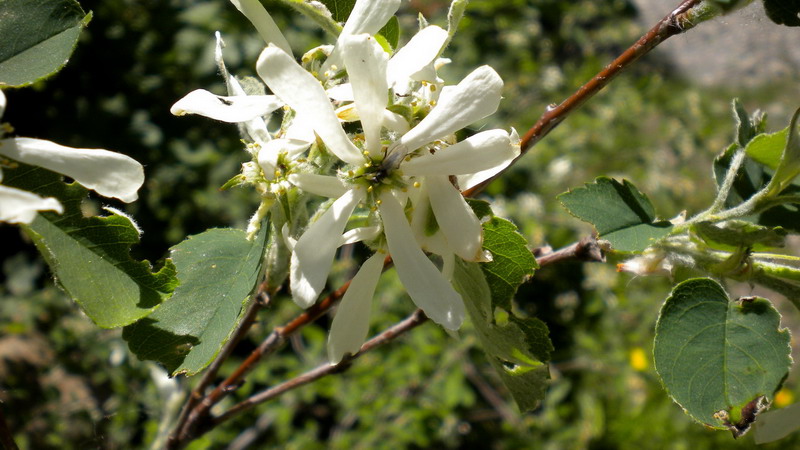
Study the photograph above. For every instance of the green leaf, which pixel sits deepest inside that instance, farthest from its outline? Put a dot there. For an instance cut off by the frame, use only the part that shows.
(318, 12)
(89, 256)
(517, 348)
(619, 212)
(717, 358)
(767, 148)
(789, 166)
(512, 261)
(735, 234)
(38, 38)
(783, 12)
(777, 424)
(454, 16)
(340, 9)
(218, 270)
(391, 31)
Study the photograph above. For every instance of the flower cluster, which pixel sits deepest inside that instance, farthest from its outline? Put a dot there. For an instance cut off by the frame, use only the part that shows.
(373, 132)
(107, 173)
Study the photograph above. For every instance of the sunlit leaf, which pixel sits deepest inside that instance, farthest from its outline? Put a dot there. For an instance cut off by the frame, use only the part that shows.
(90, 256)
(218, 270)
(789, 166)
(619, 212)
(511, 263)
(38, 37)
(720, 359)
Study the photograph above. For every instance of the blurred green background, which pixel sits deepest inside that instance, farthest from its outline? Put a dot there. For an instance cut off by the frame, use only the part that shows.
(64, 383)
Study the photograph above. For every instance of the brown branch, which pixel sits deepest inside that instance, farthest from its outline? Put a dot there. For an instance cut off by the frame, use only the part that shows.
(262, 299)
(409, 323)
(199, 413)
(676, 22)
(585, 250)
(490, 395)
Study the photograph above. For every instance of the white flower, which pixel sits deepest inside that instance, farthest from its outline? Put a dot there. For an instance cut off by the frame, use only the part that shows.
(410, 157)
(107, 173)
(266, 27)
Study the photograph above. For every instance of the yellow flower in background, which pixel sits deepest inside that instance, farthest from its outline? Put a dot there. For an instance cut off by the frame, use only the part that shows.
(638, 359)
(783, 398)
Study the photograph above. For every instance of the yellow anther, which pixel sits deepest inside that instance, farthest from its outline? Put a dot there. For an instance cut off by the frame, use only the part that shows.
(433, 87)
(416, 184)
(366, 153)
(350, 173)
(366, 165)
(369, 189)
(277, 173)
(378, 202)
(433, 102)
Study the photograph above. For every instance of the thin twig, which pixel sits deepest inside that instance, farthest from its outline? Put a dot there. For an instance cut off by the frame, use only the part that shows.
(261, 299)
(585, 250)
(409, 323)
(672, 24)
(490, 394)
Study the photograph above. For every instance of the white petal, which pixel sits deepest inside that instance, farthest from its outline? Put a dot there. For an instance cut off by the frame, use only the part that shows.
(324, 185)
(255, 128)
(300, 130)
(351, 323)
(395, 122)
(270, 150)
(471, 180)
(461, 227)
(420, 52)
(482, 151)
(430, 240)
(303, 93)
(475, 97)
(18, 206)
(427, 286)
(369, 16)
(231, 109)
(360, 234)
(313, 254)
(108, 173)
(366, 65)
(267, 28)
(347, 113)
(341, 92)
